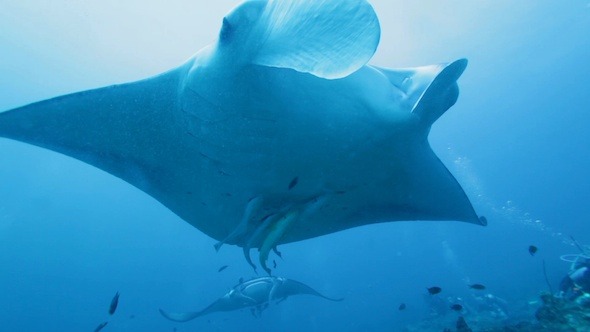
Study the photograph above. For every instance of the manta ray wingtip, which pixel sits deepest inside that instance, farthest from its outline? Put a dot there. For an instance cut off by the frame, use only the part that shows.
(462, 62)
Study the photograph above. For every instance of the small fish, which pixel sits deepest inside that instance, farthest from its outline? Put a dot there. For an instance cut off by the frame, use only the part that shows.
(293, 182)
(456, 307)
(532, 250)
(434, 290)
(477, 286)
(114, 303)
(222, 268)
(100, 326)
(274, 264)
(402, 307)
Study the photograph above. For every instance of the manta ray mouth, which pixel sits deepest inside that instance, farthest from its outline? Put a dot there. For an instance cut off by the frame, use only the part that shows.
(430, 90)
(441, 93)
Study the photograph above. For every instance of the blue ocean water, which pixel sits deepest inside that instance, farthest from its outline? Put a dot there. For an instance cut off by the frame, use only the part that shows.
(71, 235)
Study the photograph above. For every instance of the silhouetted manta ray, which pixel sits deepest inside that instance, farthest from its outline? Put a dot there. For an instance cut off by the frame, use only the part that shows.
(277, 132)
(256, 293)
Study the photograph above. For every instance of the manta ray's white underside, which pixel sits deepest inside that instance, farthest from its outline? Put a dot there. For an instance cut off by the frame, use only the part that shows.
(274, 134)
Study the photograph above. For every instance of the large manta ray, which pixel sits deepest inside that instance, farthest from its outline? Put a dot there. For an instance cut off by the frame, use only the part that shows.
(277, 132)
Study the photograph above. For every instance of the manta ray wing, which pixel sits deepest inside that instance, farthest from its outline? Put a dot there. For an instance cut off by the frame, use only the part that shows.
(128, 130)
(222, 304)
(180, 316)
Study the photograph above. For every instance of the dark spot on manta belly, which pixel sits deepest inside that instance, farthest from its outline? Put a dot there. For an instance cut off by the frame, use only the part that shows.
(293, 182)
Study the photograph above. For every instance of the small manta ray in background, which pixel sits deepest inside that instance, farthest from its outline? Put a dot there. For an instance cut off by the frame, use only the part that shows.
(277, 132)
(255, 294)
(533, 250)
(402, 307)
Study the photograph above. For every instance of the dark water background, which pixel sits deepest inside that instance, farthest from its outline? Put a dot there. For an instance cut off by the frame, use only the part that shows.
(517, 140)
